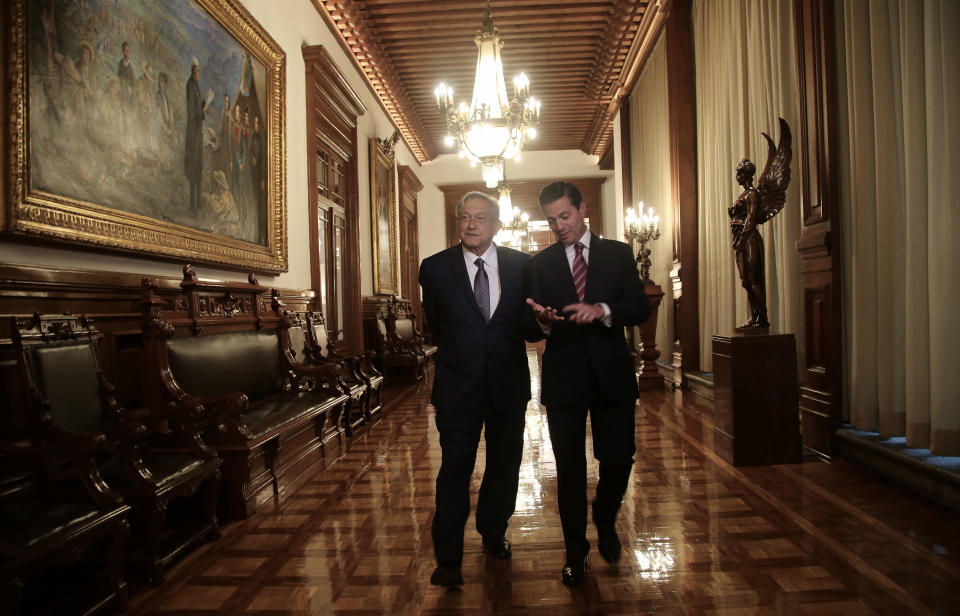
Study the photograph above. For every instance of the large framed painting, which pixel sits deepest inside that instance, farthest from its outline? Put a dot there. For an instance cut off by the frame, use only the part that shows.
(148, 127)
(383, 214)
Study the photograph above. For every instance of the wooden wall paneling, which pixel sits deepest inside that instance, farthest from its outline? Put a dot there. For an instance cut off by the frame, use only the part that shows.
(332, 111)
(626, 156)
(410, 187)
(626, 180)
(607, 161)
(683, 165)
(821, 408)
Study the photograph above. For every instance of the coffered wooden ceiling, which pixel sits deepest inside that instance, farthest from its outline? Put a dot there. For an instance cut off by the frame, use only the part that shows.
(582, 57)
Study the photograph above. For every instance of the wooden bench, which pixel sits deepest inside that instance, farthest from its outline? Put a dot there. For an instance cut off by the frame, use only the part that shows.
(63, 531)
(221, 351)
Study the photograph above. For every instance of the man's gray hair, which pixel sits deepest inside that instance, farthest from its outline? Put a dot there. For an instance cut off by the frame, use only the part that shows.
(476, 194)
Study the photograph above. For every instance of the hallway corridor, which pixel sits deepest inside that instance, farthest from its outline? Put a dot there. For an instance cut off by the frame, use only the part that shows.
(700, 537)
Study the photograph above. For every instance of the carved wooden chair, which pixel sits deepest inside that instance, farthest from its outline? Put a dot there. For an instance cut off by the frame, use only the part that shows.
(63, 531)
(303, 351)
(400, 346)
(165, 472)
(361, 363)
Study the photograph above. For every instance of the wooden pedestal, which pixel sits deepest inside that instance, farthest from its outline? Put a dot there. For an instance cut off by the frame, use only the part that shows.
(756, 397)
(648, 376)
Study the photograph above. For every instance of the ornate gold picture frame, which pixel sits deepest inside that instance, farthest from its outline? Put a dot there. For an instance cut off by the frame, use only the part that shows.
(383, 214)
(148, 127)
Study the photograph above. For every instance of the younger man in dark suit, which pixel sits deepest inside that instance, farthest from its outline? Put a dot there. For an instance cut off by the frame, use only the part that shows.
(472, 299)
(583, 290)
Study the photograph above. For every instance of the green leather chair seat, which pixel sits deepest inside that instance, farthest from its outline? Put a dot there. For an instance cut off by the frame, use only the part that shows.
(166, 468)
(28, 523)
(267, 415)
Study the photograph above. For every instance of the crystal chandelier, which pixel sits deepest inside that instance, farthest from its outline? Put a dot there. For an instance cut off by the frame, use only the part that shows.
(513, 222)
(494, 127)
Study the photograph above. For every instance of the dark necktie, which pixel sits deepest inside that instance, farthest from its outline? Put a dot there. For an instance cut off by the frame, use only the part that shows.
(579, 270)
(481, 289)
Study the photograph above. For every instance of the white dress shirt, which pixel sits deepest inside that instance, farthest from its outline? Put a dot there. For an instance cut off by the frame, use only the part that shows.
(491, 266)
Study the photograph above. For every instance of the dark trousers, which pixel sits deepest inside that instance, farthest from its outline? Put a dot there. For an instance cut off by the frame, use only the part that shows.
(459, 437)
(613, 428)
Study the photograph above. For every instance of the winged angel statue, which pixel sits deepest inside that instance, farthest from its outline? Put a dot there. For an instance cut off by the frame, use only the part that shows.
(756, 205)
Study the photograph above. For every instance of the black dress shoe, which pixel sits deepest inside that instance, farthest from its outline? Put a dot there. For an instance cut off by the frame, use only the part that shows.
(574, 572)
(447, 575)
(608, 543)
(498, 547)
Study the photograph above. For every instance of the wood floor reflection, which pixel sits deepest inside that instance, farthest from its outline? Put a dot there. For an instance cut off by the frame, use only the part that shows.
(700, 537)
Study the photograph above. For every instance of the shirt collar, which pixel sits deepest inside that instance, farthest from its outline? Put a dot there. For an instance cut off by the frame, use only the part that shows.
(584, 239)
(489, 256)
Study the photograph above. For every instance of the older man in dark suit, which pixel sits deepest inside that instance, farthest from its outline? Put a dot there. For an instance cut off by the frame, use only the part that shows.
(583, 290)
(473, 302)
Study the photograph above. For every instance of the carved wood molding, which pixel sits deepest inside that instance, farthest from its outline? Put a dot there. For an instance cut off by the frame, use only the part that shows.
(613, 81)
(683, 165)
(345, 19)
(821, 405)
(332, 111)
(582, 58)
(410, 184)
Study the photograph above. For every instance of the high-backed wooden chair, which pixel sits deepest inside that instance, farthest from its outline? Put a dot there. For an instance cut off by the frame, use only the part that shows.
(399, 346)
(302, 352)
(164, 472)
(361, 363)
(63, 531)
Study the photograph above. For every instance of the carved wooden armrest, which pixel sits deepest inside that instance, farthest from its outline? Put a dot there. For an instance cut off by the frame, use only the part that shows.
(126, 435)
(223, 412)
(366, 366)
(326, 374)
(72, 443)
(185, 425)
(48, 458)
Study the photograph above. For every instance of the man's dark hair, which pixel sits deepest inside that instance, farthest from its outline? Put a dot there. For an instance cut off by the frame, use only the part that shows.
(559, 190)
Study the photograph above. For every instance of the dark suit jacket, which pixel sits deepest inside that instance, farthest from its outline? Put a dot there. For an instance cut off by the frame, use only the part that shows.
(476, 358)
(572, 350)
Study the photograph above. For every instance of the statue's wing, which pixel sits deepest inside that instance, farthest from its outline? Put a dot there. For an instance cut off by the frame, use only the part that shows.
(772, 185)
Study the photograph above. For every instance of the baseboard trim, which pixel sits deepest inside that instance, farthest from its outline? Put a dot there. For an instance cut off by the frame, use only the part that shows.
(936, 477)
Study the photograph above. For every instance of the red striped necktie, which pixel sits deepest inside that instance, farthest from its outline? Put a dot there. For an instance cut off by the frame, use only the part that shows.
(579, 270)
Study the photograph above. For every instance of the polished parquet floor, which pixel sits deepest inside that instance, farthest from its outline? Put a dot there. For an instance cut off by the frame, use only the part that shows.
(700, 537)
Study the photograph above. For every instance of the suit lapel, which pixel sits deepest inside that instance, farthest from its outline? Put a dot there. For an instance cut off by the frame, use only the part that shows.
(508, 280)
(566, 275)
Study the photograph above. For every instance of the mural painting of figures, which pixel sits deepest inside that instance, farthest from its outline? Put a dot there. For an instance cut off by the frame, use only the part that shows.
(110, 128)
(193, 142)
